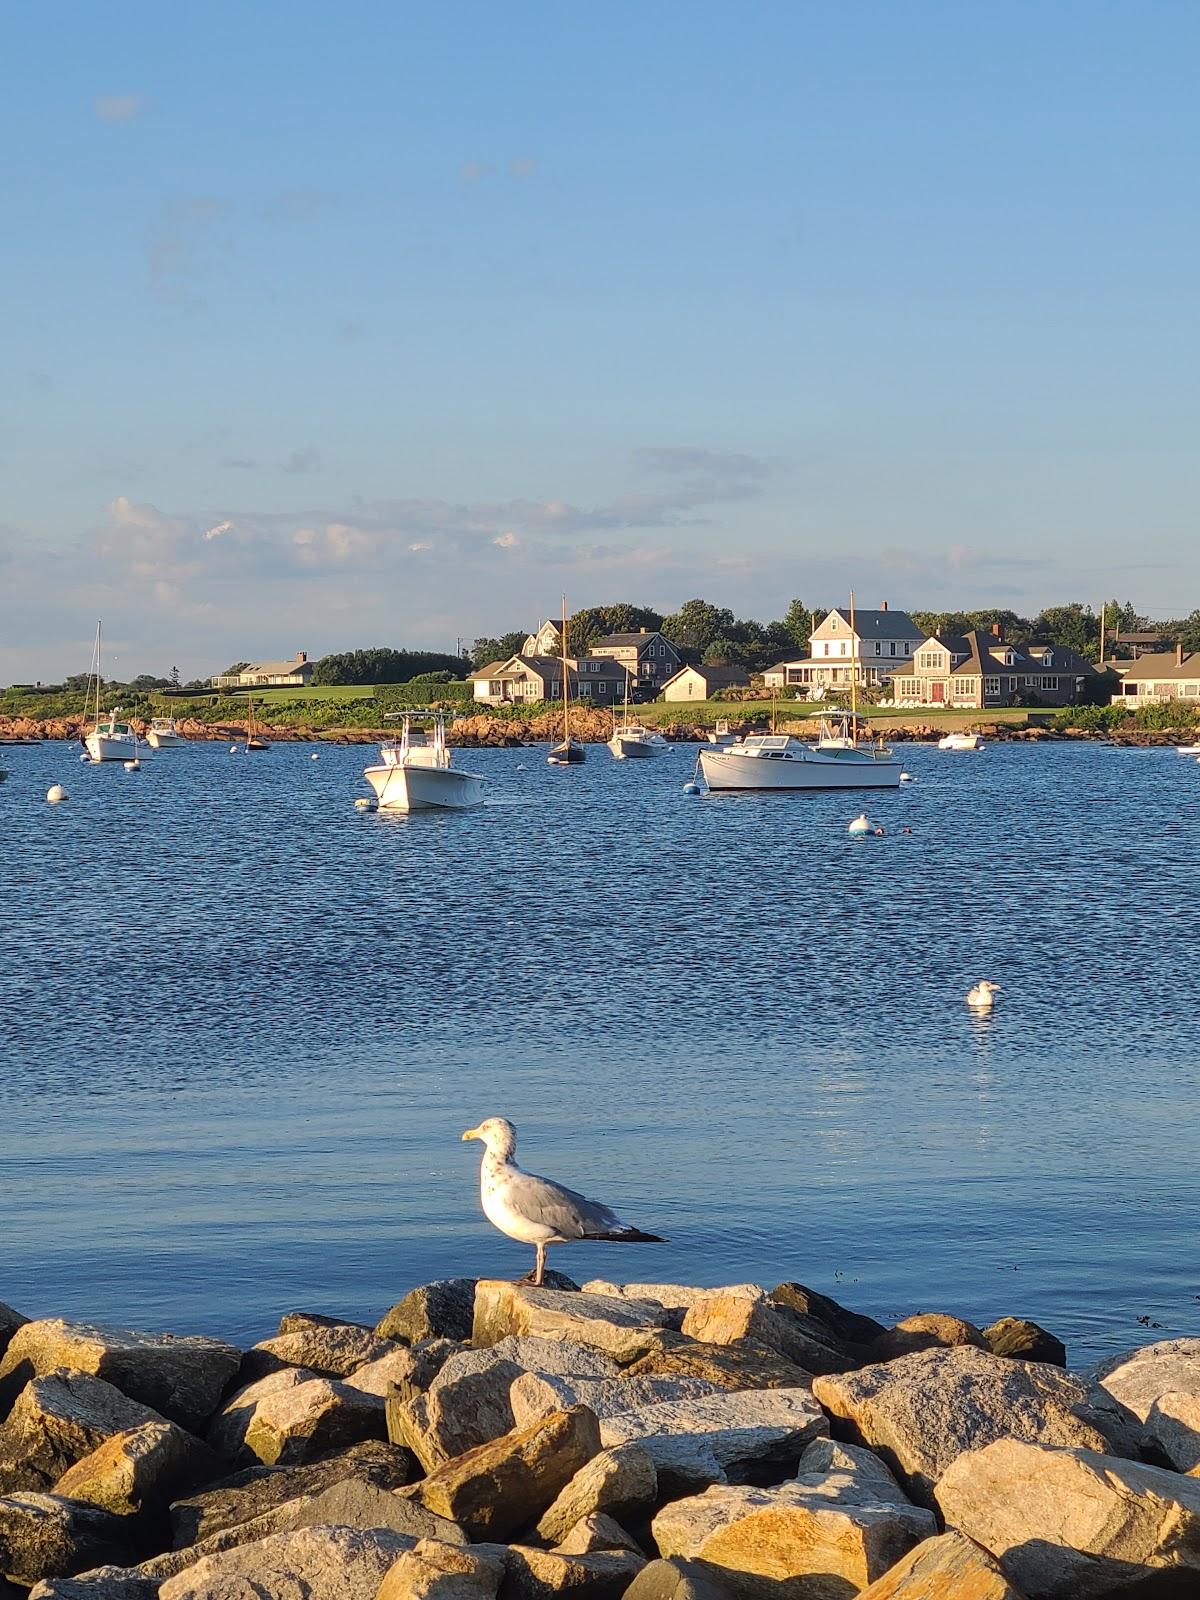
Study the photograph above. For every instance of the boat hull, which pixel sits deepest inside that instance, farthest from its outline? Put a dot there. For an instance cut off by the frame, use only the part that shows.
(722, 769)
(104, 747)
(416, 788)
(632, 749)
(567, 755)
(164, 741)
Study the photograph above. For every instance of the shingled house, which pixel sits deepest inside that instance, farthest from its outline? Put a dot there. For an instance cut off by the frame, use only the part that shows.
(269, 675)
(525, 679)
(976, 670)
(1151, 679)
(648, 656)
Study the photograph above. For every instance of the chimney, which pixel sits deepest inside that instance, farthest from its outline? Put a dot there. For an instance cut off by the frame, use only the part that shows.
(883, 605)
(643, 630)
(997, 630)
(301, 657)
(1179, 654)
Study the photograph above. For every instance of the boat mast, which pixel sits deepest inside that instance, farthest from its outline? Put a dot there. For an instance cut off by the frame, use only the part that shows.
(566, 684)
(853, 674)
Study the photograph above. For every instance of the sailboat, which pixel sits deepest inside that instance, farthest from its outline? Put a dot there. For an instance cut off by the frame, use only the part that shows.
(110, 739)
(569, 753)
(253, 742)
(632, 739)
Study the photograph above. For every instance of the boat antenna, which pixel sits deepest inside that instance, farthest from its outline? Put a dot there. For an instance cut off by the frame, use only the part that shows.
(853, 674)
(566, 683)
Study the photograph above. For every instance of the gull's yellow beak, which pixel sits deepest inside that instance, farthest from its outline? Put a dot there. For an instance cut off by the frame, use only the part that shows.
(471, 1133)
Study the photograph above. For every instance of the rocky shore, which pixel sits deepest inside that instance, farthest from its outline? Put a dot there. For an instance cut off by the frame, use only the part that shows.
(492, 1441)
(589, 727)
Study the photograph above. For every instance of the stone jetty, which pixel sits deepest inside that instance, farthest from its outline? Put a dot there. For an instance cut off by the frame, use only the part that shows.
(493, 1441)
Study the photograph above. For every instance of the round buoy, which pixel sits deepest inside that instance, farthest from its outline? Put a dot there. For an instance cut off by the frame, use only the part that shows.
(233, 749)
(133, 766)
(907, 777)
(315, 756)
(86, 759)
(880, 833)
(55, 793)
(363, 804)
(861, 824)
(691, 788)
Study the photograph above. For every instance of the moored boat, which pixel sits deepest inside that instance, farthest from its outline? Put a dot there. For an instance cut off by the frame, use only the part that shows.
(722, 735)
(415, 772)
(162, 734)
(110, 739)
(568, 752)
(780, 761)
(632, 740)
(962, 741)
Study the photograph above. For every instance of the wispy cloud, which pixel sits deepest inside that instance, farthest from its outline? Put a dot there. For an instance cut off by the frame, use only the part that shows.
(717, 463)
(118, 107)
(243, 463)
(306, 460)
(523, 167)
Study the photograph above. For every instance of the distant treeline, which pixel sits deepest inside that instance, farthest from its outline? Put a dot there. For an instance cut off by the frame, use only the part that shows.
(381, 665)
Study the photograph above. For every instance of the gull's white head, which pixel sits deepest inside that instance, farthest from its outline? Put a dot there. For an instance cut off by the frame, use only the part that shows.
(981, 994)
(497, 1133)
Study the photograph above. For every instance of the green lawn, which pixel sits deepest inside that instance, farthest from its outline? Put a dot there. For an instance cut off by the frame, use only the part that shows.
(706, 712)
(340, 695)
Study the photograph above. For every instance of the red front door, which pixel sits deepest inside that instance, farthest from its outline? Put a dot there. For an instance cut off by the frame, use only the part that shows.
(938, 693)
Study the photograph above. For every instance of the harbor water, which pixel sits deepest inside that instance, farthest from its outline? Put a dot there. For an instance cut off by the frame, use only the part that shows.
(242, 1026)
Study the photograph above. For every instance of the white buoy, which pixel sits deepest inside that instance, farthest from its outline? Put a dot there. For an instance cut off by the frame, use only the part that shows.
(86, 759)
(315, 756)
(233, 749)
(980, 997)
(55, 793)
(861, 824)
(363, 804)
(133, 766)
(691, 788)
(907, 777)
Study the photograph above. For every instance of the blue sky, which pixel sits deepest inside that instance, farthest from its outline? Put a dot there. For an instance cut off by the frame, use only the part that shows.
(383, 323)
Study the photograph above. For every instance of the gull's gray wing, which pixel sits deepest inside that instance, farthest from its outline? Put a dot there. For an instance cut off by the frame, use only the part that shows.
(571, 1215)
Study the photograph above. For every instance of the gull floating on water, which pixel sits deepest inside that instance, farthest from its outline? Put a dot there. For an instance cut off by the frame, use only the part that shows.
(981, 995)
(536, 1210)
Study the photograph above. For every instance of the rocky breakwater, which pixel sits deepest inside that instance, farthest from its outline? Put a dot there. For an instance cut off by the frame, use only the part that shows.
(493, 1441)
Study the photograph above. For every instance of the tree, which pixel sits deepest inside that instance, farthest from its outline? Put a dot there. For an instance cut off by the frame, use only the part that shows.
(485, 650)
(697, 624)
(1075, 626)
(797, 624)
(232, 672)
(588, 627)
(174, 677)
(383, 665)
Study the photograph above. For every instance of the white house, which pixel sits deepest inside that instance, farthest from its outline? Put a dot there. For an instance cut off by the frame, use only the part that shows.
(1167, 675)
(879, 642)
(269, 675)
(701, 683)
(547, 641)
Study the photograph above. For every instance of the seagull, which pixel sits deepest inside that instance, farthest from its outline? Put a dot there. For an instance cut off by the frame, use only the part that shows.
(536, 1210)
(981, 995)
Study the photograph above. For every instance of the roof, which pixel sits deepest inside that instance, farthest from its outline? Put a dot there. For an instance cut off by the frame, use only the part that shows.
(714, 677)
(876, 624)
(546, 666)
(1163, 664)
(976, 649)
(276, 669)
(624, 640)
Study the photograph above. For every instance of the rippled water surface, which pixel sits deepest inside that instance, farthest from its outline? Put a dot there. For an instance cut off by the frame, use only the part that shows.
(242, 1026)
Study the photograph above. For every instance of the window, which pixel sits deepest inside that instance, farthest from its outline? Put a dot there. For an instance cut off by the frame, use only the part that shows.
(1049, 683)
(892, 648)
(878, 648)
(845, 647)
(1031, 683)
(1191, 688)
(929, 660)
(603, 688)
(991, 685)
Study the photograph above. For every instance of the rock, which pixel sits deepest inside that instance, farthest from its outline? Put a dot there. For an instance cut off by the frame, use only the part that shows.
(100, 1583)
(135, 1470)
(928, 1330)
(308, 1564)
(440, 1310)
(468, 1402)
(1137, 1378)
(539, 1574)
(618, 1328)
(359, 1504)
(535, 1395)
(296, 1321)
(831, 1322)
(436, 1571)
(329, 1351)
(729, 1319)
(63, 1416)
(45, 1536)
(676, 1298)
(292, 1417)
(729, 1366)
(247, 1496)
(950, 1567)
(508, 1483)
(620, 1483)
(1022, 1340)
(678, 1580)
(724, 1437)
(182, 1378)
(921, 1411)
(597, 1532)
(1173, 1431)
(839, 1525)
(1072, 1524)
(407, 1370)
(10, 1321)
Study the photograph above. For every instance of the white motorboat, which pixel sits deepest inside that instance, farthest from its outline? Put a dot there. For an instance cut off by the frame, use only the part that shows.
(415, 771)
(163, 734)
(779, 761)
(962, 741)
(1187, 749)
(721, 735)
(112, 740)
(634, 741)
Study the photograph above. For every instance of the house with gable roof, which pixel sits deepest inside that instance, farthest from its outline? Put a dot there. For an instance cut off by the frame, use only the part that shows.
(878, 643)
(976, 670)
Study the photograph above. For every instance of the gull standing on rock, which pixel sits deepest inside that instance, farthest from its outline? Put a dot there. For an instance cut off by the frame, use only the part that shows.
(536, 1210)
